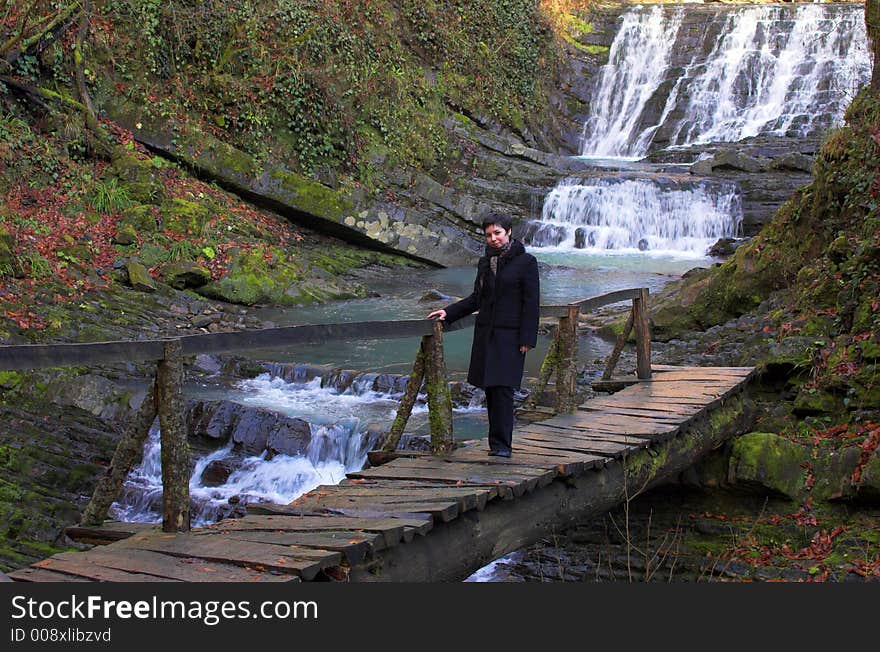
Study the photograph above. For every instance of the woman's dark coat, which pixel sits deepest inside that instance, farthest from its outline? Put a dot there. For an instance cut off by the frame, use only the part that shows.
(508, 317)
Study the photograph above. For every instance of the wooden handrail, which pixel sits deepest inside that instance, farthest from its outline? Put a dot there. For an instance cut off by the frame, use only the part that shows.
(40, 356)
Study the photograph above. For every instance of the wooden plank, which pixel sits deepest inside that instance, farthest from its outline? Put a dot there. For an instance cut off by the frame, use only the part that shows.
(581, 434)
(170, 567)
(84, 568)
(625, 425)
(604, 412)
(42, 575)
(579, 438)
(354, 545)
(591, 460)
(467, 497)
(504, 469)
(109, 532)
(41, 356)
(516, 487)
(683, 409)
(374, 507)
(582, 446)
(565, 464)
(387, 483)
(312, 333)
(305, 562)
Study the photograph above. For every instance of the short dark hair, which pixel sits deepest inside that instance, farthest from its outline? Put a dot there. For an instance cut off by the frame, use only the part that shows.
(502, 220)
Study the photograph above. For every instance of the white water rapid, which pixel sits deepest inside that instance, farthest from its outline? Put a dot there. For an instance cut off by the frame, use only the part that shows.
(637, 215)
(343, 426)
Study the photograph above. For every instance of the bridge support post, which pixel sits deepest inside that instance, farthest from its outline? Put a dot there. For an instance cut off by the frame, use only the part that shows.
(618, 348)
(175, 449)
(439, 396)
(413, 385)
(566, 370)
(642, 327)
(130, 446)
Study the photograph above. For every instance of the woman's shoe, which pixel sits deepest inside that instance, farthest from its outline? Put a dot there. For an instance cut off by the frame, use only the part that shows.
(499, 453)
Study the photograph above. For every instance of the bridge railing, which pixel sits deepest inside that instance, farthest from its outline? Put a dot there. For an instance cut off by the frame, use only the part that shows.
(165, 396)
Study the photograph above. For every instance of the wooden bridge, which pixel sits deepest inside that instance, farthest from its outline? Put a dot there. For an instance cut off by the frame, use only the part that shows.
(410, 516)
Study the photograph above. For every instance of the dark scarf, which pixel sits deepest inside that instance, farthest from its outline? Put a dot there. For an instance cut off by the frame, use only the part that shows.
(495, 258)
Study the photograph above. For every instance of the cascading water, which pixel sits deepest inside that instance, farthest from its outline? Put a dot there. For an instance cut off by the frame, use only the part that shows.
(631, 215)
(636, 66)
(770, 70)
(342, 431)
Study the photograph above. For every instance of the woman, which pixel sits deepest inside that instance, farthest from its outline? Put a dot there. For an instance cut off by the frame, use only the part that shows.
(506, 293)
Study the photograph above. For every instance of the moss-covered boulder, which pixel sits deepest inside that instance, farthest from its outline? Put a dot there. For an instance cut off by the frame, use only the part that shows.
(138, 277)
(141, 218)
(184, 216)
(810, 401)
(151, 255)
(272, 277)
(770, 461)
(126, 235)
(185, 274)
(138, 178)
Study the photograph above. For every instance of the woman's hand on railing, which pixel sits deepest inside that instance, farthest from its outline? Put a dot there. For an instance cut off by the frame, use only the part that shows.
(437, 314)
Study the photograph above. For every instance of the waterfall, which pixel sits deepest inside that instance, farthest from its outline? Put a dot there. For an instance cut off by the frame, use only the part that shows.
(636, 66)
(770, 70)
(631, 215)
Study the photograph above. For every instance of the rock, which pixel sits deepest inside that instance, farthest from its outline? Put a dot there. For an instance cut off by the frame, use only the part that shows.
(732, 159)
(643, 244)
(725, 247)
(252, 430)
(126, 235)
(793, 161)
(207, 363)
(140, 217)
(186, 274)
(703, 167)
(434, 295)
(184, 216)
(770, 461)
(94, 394)
(138, 277)
(217, 472)
(580, 238)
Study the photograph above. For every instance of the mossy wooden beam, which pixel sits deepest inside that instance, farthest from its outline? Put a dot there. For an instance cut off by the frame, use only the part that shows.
(566, 372)
(642, 326)
(127, 452)
(618, 347)
(175, 449)
(439, 395)
(413, 385)
(548, 366)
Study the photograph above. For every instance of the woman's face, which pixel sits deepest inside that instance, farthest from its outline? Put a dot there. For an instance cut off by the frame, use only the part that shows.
(496, 236)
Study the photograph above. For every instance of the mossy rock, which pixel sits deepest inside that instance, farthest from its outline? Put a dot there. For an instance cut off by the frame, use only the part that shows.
(815, 401)
(868, 487)
(251, 280)
(770, 461)
(126, 235)
(75, 253)
(184, 216)
(138, 178)
(141, 218)
(151, 255)
(185, 274)
(138, 277)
